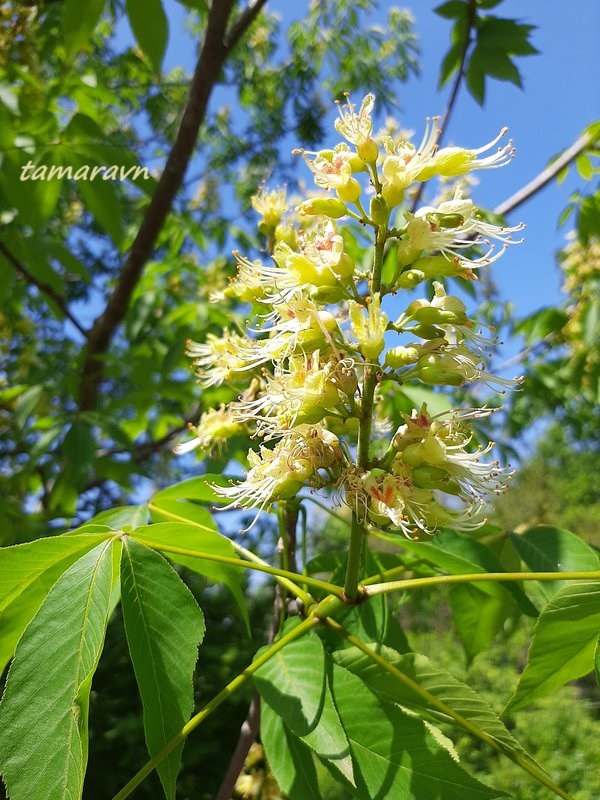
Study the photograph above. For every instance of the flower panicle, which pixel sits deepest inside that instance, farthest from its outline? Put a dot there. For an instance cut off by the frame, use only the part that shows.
(321, 357)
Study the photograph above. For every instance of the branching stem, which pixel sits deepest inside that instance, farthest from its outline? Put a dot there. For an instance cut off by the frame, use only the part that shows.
(357, 530)
(475, 577)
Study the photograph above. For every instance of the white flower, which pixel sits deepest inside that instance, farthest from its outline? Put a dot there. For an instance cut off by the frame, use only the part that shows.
(356, 128)
(213, 430)
(217, 359)
(281, 472)
(369, 330)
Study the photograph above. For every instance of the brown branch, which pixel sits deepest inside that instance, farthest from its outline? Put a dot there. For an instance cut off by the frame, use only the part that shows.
(43, 287)
(544, 178)
(146, 449)
(471, 13)
(250, 726)
(217, 45)
(248, 733)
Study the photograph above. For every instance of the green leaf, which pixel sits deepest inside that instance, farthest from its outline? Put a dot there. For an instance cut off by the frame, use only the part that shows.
(452, 9)
(150, 27)
(450, 64)
(584, 166)
(294, 684)
(78, 22)
(394, 754)
(79, 445)
(454, 693)
(290, 760)
(201, 538)
(44, 711)
(26, 403)
(460, 554)
(498, 65)
(198, 489)
(478, 617)
(597, 662)
(102, 201)
(164, 628)
(563, 644)
(541, 323)
(475, 76)
(548, 549)
(118, 518)
(27, 573)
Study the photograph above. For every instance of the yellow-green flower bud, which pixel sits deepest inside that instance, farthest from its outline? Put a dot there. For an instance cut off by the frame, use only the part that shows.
(328, 294)
(397, 357)
(433, 266)
(341, 427)
(427, 332)
(379, 210)
(410, 278)
(330, 207)
(407, 253)
(428, 477)
(285, 233)
(345, 267)
(367, 150)
(437, 375)
(349, 192)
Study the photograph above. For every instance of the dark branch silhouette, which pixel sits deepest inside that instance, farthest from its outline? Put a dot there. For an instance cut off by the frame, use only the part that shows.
(218, 44)
(43, 287)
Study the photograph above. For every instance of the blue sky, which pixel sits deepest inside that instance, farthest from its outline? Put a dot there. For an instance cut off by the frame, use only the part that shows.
(561, 96)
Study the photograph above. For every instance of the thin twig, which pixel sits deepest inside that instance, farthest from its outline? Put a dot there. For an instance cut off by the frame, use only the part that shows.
(544, 177)
(43, 287)
(470, 19)
(248, 733)
(250, 726)
(217, 45)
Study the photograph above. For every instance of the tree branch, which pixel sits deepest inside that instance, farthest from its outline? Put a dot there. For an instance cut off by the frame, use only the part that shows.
(551, 171)
(217, 45)
(248, 733)
(43, 287)
(471, 12)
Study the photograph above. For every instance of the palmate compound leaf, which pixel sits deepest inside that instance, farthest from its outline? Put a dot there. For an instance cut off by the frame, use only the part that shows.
(563, 644)
(395, 755)
(28, 572)
(164, 627)
(452, 692)
(44, 711)
(294, 684)
(198, 535)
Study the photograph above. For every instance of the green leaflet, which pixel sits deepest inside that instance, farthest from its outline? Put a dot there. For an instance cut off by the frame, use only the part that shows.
(563, 644)
(294, 684)
(548, 549)
(164, 627)
(27, 573)
(290, 760)
(443, 686)
(79, 21)
(201, 538)
(198, 489)
(395, 755)
(150, 27)
(44, 711)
